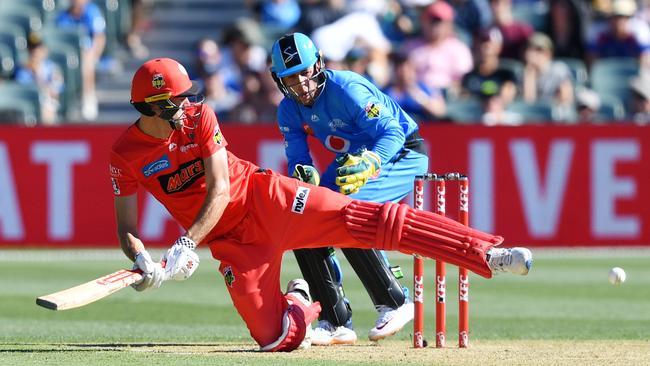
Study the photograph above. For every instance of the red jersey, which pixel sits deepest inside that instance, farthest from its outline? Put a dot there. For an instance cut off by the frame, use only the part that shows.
(172, 170)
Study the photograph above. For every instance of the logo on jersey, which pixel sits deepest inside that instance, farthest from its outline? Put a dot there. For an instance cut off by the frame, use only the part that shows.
(172, 146)
(182, 178)
(372, 110)
(336, 123)
(337, 144)
(115, 172)
(315, 118)
(228, 276)
(188, 147)
(158, 81)
(218, 137)
(157, 166)
(300, 200)
(116, 187)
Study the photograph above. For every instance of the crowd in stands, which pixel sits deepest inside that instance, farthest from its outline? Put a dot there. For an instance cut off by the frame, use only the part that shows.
(496, 62)
(51, 52)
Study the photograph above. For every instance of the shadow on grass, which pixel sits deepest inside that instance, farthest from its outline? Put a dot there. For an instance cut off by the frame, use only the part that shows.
(120, 347)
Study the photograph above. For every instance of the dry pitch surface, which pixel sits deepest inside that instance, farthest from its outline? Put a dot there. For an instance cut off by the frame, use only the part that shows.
(534, 352)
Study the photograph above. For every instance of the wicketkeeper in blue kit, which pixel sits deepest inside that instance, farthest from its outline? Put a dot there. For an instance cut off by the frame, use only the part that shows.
(378, 153)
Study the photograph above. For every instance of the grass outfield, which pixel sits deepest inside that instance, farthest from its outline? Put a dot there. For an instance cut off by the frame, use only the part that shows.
(564, 312)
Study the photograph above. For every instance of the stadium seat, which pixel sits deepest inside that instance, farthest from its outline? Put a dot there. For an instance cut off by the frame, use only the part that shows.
(70, 37)
(611, 109)
(66, 58)
(25, 16)
(611, 76)
(532, 112)
(578, 70)
(23, 98)
(14, 37)
(465, 111)
(7, 63)
(533, 13)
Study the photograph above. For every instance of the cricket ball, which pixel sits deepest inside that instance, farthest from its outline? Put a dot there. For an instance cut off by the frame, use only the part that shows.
(616, 276)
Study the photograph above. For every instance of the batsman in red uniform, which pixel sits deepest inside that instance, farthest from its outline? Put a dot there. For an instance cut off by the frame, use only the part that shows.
(250, 216)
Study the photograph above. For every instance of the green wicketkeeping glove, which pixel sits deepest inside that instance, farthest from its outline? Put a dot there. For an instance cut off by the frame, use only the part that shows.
(307, 174)
(355, 170)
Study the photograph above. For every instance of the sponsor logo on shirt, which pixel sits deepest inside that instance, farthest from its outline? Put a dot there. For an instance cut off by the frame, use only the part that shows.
(172, 146)
(337, 144)
(336, 123)
(315, 118)
(182, 178)
(300, 200)
(372, 110)
(186, 148)
(228, 276)
(116, 186)
(218, 137)
(157, 166)
(115, 172)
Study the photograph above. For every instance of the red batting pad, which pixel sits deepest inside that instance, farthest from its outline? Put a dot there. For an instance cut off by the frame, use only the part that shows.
(392, 226)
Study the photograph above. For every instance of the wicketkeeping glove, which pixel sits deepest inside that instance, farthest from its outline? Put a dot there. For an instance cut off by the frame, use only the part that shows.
(153, 274)
(355, 170)
(307, 174)
(181, 259)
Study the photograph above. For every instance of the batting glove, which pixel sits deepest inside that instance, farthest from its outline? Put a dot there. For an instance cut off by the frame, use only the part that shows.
(355, 170)
(307, 174)
(181, 260)
(153, 274)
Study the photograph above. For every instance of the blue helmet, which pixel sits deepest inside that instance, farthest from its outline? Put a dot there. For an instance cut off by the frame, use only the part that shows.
(293, 53)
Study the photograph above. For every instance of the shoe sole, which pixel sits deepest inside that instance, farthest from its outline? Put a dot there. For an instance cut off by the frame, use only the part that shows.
(335, 342)
(378, 338)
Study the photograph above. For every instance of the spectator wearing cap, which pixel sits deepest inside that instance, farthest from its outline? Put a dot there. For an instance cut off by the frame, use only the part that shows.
(41, 71)
(439, 57)
(418, 100)
(640, 99)
(547, 80)
(86, 16)
(621, 37)
(488, 75)
(587, 105)
(515, 33)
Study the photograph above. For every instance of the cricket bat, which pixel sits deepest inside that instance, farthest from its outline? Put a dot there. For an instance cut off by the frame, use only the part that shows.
(90, 291)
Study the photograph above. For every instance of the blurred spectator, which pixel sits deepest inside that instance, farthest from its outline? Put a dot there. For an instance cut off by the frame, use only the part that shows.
(547, 80)
(357, 60)
(587, 105)
(277, 16)
(515, 33)
(640, 103)
(221, 98)
(619, 38)
(440, 59)
(42, 71)
(317, 13)
(85, 15)
(495, 112)
(487, 76)
(568, 21)
(139, 23)
(353, 30)
(418, 100)
(256, 105)
(242, 52)
(208, 58)
(472, 15)
(397, 21)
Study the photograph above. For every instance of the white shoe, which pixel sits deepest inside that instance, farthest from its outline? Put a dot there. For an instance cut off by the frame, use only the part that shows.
(300, 289)
(391, 321)
(514, 260)
(326, 334)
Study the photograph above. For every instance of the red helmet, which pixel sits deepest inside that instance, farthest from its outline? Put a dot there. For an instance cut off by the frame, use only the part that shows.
(158, 80)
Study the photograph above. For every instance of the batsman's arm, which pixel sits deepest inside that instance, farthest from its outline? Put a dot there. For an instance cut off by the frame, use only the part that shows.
(217, 182)
(126, 217)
